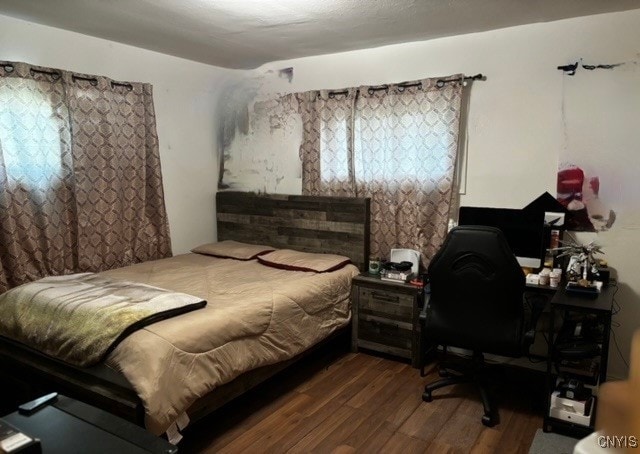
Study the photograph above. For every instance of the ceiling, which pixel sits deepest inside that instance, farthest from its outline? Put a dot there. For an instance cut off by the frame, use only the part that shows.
(248, 33)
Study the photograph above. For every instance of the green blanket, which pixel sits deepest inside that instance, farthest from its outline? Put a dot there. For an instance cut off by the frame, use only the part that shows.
(80, 318)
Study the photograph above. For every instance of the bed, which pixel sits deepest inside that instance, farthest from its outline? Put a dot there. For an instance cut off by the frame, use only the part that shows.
(163, 373)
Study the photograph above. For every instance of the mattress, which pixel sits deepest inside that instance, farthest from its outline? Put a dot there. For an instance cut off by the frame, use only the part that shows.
(256, 316)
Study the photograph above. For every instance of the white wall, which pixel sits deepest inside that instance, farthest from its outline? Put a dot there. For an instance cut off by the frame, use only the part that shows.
(185, 96)
(516, 121)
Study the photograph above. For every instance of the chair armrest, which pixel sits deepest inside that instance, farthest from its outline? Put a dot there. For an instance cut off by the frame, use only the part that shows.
(422, 319)
(537, 307)
(529, 337)
(425, 304)
(423, 312)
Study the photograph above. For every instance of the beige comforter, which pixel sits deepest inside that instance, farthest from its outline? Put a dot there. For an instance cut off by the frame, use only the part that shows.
(79, 318)
(255, 316)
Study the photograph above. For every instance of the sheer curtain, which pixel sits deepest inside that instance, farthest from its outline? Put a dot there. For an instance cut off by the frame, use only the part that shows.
(399, 144)
(80, 181)
(327, 147)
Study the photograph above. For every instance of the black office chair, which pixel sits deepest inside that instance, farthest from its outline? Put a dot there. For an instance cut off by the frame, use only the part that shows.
(476, 303)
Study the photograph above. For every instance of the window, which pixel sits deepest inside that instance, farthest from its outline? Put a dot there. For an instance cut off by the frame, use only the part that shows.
(395, 144)
(30, 138)
(334, 145)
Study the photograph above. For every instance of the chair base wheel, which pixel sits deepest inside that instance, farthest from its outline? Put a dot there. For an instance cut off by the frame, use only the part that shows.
(426, 396)
(444, 373)
(487, 420)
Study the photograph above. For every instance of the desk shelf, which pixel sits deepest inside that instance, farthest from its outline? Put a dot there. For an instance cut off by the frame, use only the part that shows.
(598, 313)
(576, 430)
(587, 370)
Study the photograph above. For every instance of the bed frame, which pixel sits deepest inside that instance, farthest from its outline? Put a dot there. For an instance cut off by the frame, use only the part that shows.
(307, 223)
(336, 225)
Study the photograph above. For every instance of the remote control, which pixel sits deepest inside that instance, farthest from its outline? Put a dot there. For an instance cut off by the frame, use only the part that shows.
(37, 404)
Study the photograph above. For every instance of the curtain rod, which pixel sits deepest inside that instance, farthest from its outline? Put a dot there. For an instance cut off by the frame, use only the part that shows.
(439, 83)
(55, 75)
(94, 82)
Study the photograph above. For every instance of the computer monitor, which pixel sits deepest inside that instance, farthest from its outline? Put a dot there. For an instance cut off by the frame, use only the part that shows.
(524, 231)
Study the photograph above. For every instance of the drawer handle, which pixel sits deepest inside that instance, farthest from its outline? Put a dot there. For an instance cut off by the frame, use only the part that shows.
(384, 297)
(387, 322)
(377, 323)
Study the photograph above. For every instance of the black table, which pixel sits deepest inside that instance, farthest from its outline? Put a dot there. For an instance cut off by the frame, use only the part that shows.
(599, 305)
(69, 426)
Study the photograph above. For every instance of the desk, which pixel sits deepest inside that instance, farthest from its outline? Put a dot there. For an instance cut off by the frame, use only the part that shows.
(599, 308)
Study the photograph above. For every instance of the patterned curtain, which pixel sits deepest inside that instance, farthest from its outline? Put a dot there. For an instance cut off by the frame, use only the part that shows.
(400, 143)
(80, 180)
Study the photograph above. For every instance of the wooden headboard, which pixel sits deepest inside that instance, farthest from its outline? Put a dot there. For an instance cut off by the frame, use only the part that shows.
(334, 225)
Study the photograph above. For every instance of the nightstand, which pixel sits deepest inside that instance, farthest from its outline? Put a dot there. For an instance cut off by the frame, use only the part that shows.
(385, 317)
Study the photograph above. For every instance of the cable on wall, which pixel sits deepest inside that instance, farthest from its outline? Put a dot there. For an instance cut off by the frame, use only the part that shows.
(571, 68)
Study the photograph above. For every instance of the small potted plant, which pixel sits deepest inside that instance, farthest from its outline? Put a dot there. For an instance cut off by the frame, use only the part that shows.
(582, 262)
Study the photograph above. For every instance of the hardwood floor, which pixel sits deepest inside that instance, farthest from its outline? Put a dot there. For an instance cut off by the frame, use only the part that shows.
(363, 403)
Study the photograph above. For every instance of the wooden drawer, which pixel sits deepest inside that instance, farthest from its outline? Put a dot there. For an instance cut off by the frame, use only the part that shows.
(385, 317)
(386, 304)
(391, 333)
